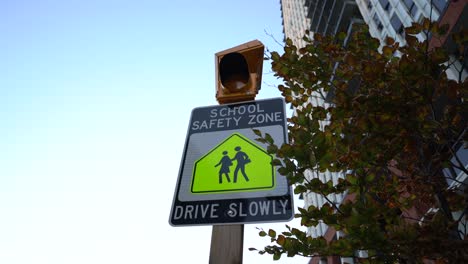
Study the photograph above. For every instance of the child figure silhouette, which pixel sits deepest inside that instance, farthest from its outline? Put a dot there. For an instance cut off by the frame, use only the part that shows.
(225, 163)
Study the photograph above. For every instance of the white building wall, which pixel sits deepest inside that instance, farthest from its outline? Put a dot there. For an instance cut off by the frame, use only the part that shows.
(378, 14)
(295, 21)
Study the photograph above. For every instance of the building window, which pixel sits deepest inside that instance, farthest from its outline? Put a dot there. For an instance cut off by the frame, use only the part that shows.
(439, 5)
(396, 24)
(385, 5)
(369, 4)
(455, 175)
(412, 8)
(377, 22)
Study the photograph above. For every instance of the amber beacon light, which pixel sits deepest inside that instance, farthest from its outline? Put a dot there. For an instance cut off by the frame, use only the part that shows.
(239, 72)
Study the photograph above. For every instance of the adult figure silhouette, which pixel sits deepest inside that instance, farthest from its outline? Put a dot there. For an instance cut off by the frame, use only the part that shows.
(225, 163)
(241, 159)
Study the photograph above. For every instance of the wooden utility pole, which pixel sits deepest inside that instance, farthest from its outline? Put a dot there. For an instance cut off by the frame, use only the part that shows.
(227, 243)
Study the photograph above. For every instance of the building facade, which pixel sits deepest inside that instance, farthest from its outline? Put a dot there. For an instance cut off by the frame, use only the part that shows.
(385, 18)
(390, 17)
(295, 20)
(327, 17)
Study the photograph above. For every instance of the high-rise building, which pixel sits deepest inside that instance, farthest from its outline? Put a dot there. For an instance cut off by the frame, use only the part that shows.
(385, 18)
(390, 17)
(295, 20)
(327, 17)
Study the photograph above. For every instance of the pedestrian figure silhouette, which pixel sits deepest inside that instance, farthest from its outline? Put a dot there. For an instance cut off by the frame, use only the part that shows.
(242, 159)
(225, 163)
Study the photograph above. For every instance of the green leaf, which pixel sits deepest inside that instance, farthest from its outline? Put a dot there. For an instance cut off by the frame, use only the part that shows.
(300, 189)
(268, 138)
(414, 29)
(276, 256)
(257, 132)
(276, 162)
(272, 233)
(387, 51)
(281, 240)
(352, 179)
(275, 56)
(370, 177)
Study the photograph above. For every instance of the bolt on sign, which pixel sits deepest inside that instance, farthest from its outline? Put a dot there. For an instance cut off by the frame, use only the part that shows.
(226, 176)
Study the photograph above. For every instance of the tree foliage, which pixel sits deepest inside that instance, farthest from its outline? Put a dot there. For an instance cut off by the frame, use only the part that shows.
(392, 124)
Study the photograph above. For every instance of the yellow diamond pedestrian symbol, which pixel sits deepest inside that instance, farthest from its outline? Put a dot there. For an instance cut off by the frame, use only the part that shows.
(235, 165)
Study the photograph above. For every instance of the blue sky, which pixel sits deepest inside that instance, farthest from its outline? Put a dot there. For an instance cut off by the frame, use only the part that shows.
(95, 99)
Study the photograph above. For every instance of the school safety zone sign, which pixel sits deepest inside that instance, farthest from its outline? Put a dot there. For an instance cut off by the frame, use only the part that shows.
(226, 176)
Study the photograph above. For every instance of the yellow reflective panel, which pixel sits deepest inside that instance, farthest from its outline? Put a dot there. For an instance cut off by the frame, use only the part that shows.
(235, 165)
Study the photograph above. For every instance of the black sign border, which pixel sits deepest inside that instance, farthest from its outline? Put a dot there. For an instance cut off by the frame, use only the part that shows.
(224, 218)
